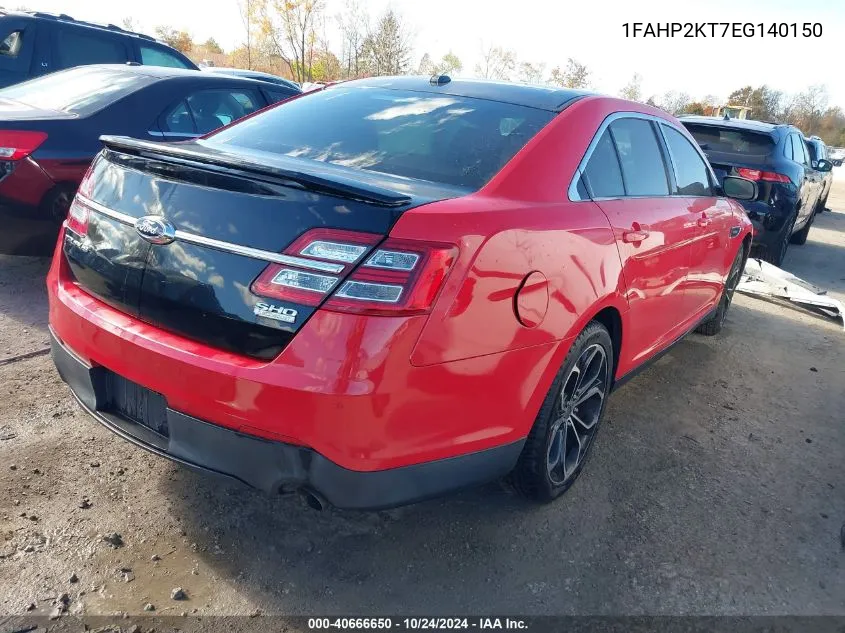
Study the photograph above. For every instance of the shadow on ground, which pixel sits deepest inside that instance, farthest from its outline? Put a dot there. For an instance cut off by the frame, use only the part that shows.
(717, 470)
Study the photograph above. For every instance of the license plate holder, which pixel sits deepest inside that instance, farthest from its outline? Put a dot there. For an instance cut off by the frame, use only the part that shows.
(133, 402)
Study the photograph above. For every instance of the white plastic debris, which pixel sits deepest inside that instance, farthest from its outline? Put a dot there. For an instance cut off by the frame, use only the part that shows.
(764, 280)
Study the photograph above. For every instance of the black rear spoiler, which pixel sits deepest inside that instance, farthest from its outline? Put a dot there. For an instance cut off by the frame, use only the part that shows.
(291, 171)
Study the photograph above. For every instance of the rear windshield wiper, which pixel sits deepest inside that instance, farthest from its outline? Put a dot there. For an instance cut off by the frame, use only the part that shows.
(305, 180)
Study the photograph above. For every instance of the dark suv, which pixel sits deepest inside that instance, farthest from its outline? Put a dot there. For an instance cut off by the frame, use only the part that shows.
(34, 44)
(778, 159)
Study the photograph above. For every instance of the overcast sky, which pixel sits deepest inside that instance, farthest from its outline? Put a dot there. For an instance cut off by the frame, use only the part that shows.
(550, 31)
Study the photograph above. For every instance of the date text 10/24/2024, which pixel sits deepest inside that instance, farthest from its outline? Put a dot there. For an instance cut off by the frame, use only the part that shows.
(723, 29)
(418, 623)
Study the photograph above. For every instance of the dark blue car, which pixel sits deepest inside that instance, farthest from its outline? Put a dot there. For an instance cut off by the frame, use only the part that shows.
(777, 158)
(50, 130)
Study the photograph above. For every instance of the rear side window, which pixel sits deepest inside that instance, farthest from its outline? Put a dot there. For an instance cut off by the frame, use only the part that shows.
(78, 47)
(442, 138)
(80, 91)
(724, 140)
(789, 149)
(178, 120)
(799, 150)
(155, 56)
(602, 175)
(804, 151)
(690, 170)
(643, 169)
(278, 94)
(10, 46)
(212, 109)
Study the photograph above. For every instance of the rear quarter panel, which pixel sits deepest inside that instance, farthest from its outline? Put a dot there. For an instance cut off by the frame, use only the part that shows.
(501, 243)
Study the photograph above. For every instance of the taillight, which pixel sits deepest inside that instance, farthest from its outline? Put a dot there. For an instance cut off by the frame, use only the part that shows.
(17, 144)
(399, 277)
(319, 259)
(77, 218)
(757, 174)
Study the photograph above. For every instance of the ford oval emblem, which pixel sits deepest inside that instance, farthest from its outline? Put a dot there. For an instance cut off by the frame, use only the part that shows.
(155, 229)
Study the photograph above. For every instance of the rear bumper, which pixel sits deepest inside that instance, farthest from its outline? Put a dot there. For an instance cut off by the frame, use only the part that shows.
(277, 467)
(343, 387)
(767, 220)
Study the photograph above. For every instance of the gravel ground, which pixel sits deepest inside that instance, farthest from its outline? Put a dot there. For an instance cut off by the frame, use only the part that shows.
(715, 487)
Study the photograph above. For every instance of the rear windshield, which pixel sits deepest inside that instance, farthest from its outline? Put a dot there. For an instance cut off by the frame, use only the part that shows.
(441, 138)
(726, 140)
(81, 91)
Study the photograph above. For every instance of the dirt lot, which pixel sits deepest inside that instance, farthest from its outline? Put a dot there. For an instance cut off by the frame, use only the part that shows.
(716, 487)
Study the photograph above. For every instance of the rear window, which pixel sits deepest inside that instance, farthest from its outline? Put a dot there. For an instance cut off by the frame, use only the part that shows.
(80, 91)
(155, 56)
(441, 138)
(724, 140)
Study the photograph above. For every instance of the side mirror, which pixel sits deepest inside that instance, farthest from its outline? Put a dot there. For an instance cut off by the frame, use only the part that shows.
(739, 188)
(824, 165)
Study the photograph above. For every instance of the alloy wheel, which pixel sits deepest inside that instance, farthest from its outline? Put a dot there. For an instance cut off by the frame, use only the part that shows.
(577, 413)
(787, 234)
(731, 283)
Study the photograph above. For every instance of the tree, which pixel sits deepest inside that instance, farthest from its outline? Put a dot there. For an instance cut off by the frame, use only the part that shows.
(741, 96)
(696, 107)
(764, 102)
(674, 102)
(811, 106)
(387, 48)
(129, 24)
(426, 66)
(449, 63)
(576, 75)
(288, 28)
(250, 12)
(531, 73)
(496, 63)
(354, 24)
(212, 46)
(180, 40)
(632, 90)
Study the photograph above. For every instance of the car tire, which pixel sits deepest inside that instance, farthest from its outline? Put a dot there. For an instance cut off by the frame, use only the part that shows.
(57, 202)
(775, 253)
(566, 426)
(713, 325)
(800, 237)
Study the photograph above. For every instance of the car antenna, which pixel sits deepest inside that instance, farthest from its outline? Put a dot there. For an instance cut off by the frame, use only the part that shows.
(727, 116)
(439, 80)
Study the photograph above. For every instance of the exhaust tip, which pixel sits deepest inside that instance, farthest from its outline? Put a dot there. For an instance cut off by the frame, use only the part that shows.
(313, 500)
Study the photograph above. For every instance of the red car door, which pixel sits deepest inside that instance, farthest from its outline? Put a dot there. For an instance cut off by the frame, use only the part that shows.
(627, 177)
(710, 252)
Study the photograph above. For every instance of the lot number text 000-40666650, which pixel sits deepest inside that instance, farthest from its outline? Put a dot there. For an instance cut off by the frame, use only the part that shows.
(722, 29)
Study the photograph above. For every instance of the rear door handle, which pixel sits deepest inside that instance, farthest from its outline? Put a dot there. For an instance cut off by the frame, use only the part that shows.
(636, 234)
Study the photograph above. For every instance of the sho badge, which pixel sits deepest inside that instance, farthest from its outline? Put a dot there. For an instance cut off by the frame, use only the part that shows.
(277, 313)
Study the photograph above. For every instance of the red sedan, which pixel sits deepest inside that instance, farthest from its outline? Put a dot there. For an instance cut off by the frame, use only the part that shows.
(392, 288)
